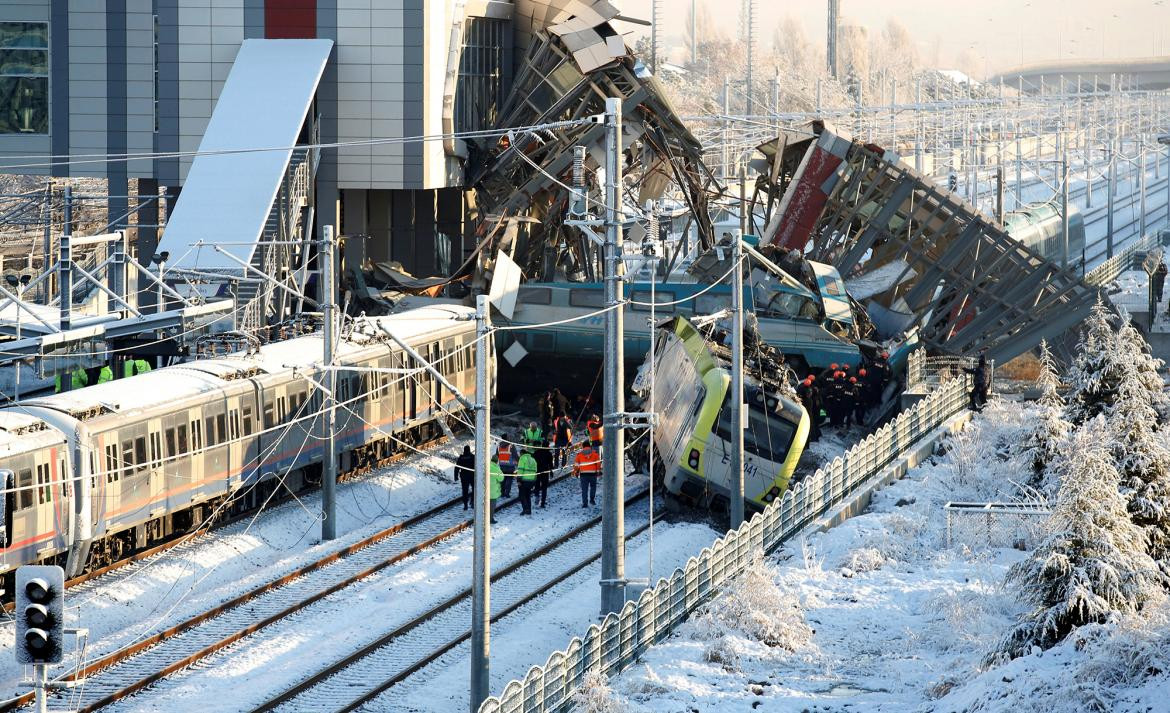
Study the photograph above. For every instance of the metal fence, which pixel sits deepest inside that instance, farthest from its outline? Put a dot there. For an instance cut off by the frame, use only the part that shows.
(982, 525)
(925, 373)
(1123, 261)
(611, 646)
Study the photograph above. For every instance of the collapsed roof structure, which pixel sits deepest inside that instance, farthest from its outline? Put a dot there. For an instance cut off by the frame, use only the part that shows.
(917, 253)
(573, 62)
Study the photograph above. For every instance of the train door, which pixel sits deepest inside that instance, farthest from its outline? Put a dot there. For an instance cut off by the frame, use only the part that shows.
(157, 471)
(250, 426)
(176, 466)
(194, 418)
(233, 448)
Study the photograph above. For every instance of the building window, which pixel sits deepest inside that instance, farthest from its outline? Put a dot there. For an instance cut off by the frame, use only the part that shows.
(479, 91)
(24, 78)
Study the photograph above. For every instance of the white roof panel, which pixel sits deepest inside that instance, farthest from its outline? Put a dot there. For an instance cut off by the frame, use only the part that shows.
(227, 197)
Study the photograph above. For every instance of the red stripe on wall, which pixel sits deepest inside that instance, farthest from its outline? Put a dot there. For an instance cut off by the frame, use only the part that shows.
(290, 19)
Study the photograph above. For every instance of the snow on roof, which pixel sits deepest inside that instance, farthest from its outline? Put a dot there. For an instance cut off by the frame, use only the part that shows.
(18, 428)
(204, 376)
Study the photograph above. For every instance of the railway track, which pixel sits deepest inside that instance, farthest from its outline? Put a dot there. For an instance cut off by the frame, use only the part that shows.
(393, 656)
(221, 522)
(131, 669)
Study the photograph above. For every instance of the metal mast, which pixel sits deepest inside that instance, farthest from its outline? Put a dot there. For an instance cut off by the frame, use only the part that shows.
(613, 577)
(329, 376)
(834, 21)
(481, 578)
(737, 411)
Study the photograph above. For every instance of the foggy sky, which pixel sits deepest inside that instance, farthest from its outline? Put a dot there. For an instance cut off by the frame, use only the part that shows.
(1000, 33)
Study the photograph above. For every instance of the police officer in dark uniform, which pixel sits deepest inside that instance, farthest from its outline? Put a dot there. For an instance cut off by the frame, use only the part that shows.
(465, 474)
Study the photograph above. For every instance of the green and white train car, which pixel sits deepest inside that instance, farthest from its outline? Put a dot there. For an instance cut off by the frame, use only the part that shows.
(692, 389)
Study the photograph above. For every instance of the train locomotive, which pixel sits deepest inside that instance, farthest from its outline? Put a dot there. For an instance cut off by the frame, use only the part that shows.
(97, 473)
(693, 435)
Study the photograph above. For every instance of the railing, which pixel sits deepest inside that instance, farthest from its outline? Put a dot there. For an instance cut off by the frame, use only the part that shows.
(618, 641)
(1112, 268)
(980, 525)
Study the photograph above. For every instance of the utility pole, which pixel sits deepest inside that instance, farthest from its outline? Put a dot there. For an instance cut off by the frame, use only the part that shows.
(1142, 188)
(737, 410)
(831, 45)
(694, 40)
(751, 57)
(725, 156)
(329, 376)
(1064, 212)
(776, 101)
(613, 541)
(918, 137)
(654, 20)
(65, 268)
(999, 195)
(482, 556)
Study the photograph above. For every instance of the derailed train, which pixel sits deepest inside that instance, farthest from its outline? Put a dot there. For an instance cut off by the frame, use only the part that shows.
(693, 435)
(97, 473)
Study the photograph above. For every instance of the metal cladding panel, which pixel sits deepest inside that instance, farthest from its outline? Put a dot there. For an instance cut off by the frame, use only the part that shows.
(288, 19)
(227, 196)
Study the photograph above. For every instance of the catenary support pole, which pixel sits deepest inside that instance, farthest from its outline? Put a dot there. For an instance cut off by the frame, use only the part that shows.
(65, 268)
(1141, 189)
(480, 581)
(329, 376)
(737, 411)
(613, 541)
(1064, 212)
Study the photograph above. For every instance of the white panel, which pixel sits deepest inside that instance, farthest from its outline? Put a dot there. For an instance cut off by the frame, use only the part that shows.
(227, 197)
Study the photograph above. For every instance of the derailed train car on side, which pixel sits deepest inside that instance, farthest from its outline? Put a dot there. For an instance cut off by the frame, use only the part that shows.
(692, 383)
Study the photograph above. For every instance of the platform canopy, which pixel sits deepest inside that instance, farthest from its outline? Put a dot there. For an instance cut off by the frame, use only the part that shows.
(244, 153)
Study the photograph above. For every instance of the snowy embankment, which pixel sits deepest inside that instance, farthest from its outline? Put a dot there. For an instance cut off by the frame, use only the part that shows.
(879, 614)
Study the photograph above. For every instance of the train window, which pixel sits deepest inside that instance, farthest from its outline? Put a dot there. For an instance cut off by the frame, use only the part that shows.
(196, 436)
(43, 494)
(282, 412)
(140, 459)
(24, 486)
(659, 297)
(268, 422)
(155, 450)
(247, 417)
(535, 296)
(171, 443)
(221, 434)
(710, 304)
(586, 298)
(181, 437)
(112, 463)
(235, 425)
(128, 456)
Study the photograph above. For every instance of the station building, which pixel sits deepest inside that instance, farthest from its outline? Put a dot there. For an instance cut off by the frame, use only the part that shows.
(86, 82)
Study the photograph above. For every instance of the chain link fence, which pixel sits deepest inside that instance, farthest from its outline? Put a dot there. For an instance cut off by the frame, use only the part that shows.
(987, 525)
(1122, 261)
(611, 646)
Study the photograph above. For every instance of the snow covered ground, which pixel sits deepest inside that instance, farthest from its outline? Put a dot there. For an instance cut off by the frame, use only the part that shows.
(879, 614)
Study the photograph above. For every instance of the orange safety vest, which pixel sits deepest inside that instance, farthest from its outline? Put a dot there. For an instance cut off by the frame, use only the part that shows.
(595, 431)
(588, 462)
(504, 454)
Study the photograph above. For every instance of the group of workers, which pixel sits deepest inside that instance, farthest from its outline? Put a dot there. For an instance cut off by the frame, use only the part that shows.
(80, 378)
(843, 396)
(532, 462)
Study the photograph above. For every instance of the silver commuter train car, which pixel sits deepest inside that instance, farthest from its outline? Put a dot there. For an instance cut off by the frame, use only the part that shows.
(105, 470)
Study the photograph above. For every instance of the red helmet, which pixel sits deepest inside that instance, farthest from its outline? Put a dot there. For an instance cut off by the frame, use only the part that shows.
(834, 366)
(853, 380)
(845, 367)
(839, 375)
(861, 372)
(885, 355)
(810, 377)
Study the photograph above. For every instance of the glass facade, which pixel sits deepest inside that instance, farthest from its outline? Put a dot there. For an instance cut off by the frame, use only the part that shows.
(24, 78)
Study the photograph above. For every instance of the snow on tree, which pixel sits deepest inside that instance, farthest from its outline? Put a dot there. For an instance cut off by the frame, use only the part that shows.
(1143, 464)
(1092, 563)
(1046, 435)
(1135, 351)
(1093, 377)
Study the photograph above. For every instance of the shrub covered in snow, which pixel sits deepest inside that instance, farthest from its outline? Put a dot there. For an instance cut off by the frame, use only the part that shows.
(757, 607)
(1092, 563)
(595, 696)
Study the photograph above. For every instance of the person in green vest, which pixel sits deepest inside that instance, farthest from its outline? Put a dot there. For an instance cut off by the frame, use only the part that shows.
(77, 379)
(105, 374)
(134, 367)
(496, 476)
(533, 436)
(526, 474)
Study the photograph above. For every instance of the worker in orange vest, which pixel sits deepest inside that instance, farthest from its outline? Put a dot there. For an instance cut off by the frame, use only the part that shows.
(587, 467)
(595, 432)
(508, 456)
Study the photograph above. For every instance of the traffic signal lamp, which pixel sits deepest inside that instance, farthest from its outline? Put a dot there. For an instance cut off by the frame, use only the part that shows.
(40, 615)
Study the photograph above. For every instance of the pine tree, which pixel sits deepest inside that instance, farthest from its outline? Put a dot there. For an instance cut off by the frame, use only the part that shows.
(1092, 562)
(1045, 436)
(1096, 371)
(1133, 350)
(1143, 464)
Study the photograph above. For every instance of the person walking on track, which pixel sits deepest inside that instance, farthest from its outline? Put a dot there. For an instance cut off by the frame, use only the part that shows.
(587, 467)
(507, 455)
(465, 474)
(526, 473)
(544, 468)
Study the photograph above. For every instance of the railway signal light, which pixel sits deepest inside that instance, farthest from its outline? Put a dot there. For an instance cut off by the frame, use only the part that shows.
(40, 614)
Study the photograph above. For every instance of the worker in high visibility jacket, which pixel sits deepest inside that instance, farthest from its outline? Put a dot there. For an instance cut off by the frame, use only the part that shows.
(526, 473)
(77, 380)
(496, 478)
(587, 467)
(134, 367)
(508, 456)
(533, 436)
(595, 432)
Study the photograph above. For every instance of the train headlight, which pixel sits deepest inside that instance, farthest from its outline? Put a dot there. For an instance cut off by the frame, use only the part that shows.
(693, 458)
(772, 494)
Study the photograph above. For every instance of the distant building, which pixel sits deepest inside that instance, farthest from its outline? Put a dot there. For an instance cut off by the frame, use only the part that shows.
(83, 79)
